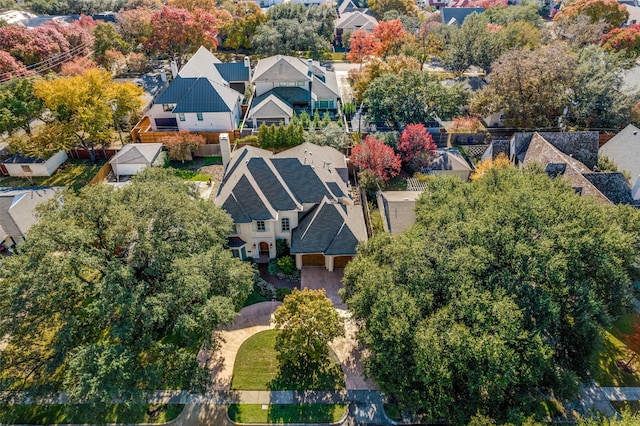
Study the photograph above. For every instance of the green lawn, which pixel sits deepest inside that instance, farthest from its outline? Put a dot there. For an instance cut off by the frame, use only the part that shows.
(192, 175)
(607, 372)
(73, 173)
(113, 413)
(303, 413)
(196, 163)
(256, 368)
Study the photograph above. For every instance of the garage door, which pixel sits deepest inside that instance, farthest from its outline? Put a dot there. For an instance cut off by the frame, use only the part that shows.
(341, 261)
(312, 260)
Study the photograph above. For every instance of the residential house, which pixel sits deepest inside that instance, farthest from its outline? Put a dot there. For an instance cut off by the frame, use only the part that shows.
(301, 195)
(624, 150)
(350, 21)
(18, 212)
(135, 157)
(23, 166)
(200, 98)
(457, 15)
(347, 6)
(449, 162)
(574, 156)
(285, 85)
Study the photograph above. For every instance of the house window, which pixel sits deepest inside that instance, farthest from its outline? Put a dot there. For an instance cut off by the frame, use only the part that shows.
(261, 226)
(301, 84)
(199, 114)
(181, 116)
(235, 253)
(168, 107)
(285, 224)
(234, 229)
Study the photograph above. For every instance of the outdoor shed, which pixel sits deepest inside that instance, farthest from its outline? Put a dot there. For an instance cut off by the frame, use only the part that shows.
(22, 166)
(134, 157)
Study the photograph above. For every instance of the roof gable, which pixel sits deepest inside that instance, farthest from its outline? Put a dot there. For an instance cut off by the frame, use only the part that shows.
(280, 68)
(248, 200)
(624, 150)
(271, 106)
(301, 179)
(202, 64)
(271, 187)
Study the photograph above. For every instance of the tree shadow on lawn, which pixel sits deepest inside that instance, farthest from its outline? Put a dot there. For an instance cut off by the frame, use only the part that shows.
(325, 375)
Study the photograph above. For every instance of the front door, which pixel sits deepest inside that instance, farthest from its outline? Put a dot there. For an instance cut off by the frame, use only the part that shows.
(264, 248)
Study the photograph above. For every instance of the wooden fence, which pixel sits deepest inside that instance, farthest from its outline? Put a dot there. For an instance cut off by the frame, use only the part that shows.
(144, 133)
(101, 175)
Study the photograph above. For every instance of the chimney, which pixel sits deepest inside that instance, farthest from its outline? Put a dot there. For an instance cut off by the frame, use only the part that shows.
(163, 76)
(174, 69)
(225, 148)
(310, 72)
(310, 65)
(247, 64)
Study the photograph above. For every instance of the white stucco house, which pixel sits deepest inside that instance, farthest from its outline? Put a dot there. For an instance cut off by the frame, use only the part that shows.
(300, 195)
(205, 95)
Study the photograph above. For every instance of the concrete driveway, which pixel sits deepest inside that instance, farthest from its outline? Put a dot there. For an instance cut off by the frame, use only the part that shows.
(347, 349)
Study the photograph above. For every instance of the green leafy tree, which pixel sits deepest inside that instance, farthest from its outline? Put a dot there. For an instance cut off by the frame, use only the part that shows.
(489, 297)
(18, 105)
(472, 44)
(115, 290)
(597, 99)
(528, 12)
(412, 97)
(106, 37)
(531, 86)
(307, 322)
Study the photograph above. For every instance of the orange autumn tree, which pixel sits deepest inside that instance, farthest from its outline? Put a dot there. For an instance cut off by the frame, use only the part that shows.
(362, 45)
(183, 144)
(609, 11)
(390, 35)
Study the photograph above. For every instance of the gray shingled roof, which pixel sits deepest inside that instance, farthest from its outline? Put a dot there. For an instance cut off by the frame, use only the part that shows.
(270, 185)
(233, 71)
(250, 203)
(280, 68)
(457, 15)
(613, 185)
(301, 179)
(324, 230)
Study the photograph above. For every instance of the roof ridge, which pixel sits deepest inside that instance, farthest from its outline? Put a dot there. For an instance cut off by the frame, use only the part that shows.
(563, 155)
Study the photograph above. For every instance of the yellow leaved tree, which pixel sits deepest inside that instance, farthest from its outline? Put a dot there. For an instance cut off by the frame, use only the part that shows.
(485, 165)
(89, 104)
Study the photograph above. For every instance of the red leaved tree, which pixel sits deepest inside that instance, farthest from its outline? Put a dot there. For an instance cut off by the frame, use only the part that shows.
(361, 46)
(416, 146)
(10, 67)
(390, 35)
(178, 31)
(627, 39)
(374, 155)
(182, 144)
(77, 66)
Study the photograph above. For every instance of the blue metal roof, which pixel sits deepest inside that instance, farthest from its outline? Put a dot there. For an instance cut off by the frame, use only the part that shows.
(233, 71)
(193, 95)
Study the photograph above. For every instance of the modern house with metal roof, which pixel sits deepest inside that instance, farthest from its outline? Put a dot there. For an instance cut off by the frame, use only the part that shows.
(301, 195)
(286, 85)
(204, 96)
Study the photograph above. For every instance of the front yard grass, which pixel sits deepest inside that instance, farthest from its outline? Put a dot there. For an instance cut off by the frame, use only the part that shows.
(256, 368)
(607, 372)
(73, 173)
(112, 413)
(291, 413)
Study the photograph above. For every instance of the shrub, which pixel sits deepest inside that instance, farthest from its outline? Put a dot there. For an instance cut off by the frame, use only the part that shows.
(282, 247)
(264, 288)
(281, 293)
(287, 264)
(272, 267)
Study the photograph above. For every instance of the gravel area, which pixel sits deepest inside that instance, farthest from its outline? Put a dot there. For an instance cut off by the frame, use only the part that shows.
(216, 172)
